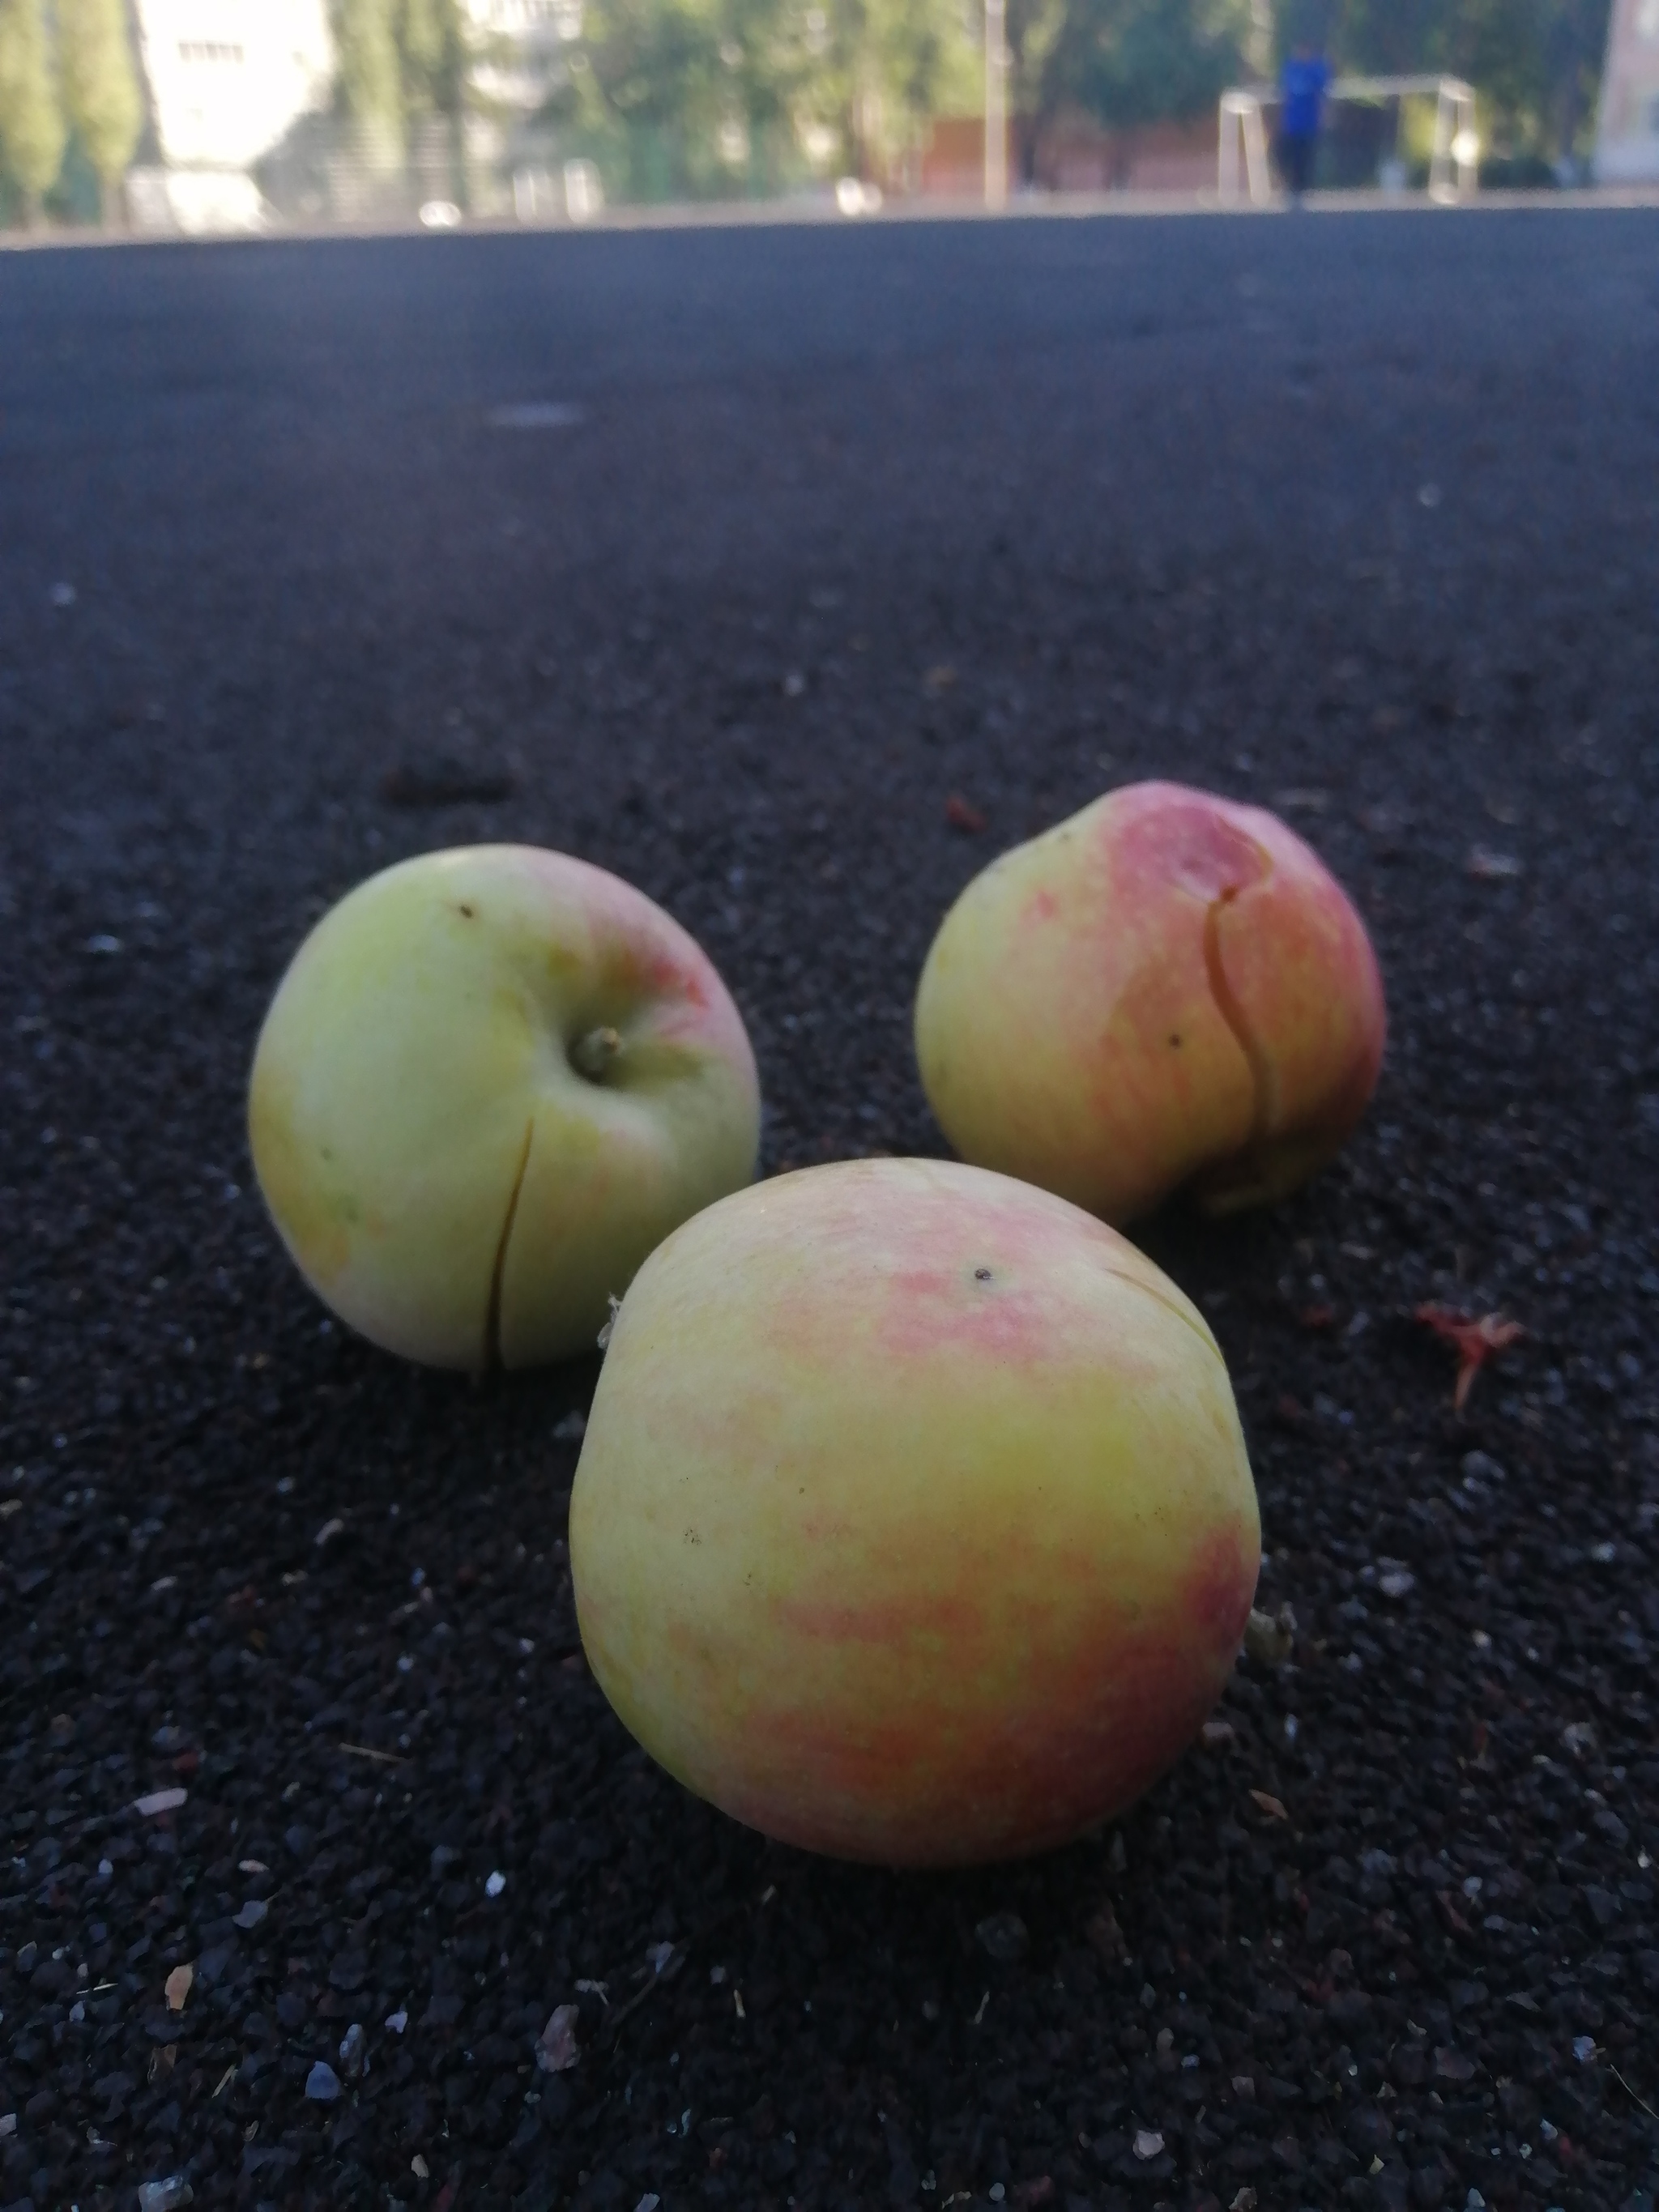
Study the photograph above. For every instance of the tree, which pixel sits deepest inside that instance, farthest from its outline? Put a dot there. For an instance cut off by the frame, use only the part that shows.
(876, 70)
(432, 56)
(1130, 62)
(369, 84)
(100, 88)
(1031, 30)
(652, 62)
(1536, 63)
(32, 128)
(1574, 48)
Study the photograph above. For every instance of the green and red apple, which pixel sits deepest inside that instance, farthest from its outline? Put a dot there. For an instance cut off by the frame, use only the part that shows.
(913, 1521)
(492, 1080)
(1168, 990)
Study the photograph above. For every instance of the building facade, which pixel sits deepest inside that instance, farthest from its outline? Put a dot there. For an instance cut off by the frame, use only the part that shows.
(1627, 135)
(519, 49)
(228, 78)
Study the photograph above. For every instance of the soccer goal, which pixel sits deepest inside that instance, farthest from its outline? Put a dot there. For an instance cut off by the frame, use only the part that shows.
(1454, 165)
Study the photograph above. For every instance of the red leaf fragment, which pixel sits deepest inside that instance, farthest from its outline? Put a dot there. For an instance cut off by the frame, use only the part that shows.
(1103, 1934)
(1475, 1342)
(1454, 1919)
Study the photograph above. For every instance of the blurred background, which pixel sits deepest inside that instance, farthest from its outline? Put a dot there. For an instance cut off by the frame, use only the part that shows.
(199, 115)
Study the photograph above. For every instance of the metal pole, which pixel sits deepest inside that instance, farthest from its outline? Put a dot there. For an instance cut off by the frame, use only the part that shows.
(1466, 147)
(996, 106)
(1227, 152)
(1441, 187)
(1256, 153)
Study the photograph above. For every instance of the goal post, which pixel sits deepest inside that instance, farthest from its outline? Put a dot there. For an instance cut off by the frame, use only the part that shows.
(1454, 165)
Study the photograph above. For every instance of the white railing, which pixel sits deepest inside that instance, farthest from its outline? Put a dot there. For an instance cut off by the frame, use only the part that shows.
(1454, 171)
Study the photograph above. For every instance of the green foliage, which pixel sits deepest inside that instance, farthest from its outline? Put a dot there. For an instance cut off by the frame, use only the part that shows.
(652, 61)
(1535, 63)
(723, 79)
(369, 82)
(677, 96)
(432, 55)
(101, 85)
(1143, 61)
(33, 133)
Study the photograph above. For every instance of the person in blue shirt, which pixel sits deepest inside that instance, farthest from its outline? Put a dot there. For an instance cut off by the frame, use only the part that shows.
(1303, 85)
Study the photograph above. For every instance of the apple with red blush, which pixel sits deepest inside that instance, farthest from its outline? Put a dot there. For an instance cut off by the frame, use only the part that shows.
(490, 1082)
(913, 1521)
(1171, 991)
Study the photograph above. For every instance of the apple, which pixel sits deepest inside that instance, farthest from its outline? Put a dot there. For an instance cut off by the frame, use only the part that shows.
(1170, 989)
(913, 1521)
(492, 1080)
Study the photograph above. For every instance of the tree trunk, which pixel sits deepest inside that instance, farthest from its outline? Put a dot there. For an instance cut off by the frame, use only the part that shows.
(1028, 131)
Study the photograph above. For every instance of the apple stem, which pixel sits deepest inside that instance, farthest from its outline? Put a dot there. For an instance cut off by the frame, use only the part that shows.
(592, 1055)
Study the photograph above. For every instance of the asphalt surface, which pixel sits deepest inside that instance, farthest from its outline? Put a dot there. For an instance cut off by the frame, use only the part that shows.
(808, 532)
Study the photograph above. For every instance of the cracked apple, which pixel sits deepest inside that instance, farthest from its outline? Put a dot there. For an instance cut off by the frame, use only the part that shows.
(1168, 990)
(492, 1080)
(913, 1521)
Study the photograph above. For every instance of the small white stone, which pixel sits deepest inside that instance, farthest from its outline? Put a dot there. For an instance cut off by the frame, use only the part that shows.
(160, 1801)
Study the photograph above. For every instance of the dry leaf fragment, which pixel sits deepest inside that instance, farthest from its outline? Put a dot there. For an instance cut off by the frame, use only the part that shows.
(178, 1987)
(557, 2052)
(1475, 1342)
(1270, 1637)
(1454, 1919)
(1270, 1805)
(1104, 1936)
